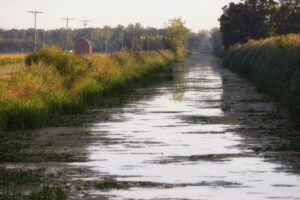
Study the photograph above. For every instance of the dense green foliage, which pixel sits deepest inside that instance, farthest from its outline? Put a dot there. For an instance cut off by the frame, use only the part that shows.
(176, 37)
(273, 65)
(56, 83)
(255, 19)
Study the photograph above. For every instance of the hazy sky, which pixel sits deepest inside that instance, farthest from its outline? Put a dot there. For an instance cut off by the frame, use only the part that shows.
(199, 14)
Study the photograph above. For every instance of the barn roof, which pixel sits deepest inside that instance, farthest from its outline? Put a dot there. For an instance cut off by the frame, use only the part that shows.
(83, 38)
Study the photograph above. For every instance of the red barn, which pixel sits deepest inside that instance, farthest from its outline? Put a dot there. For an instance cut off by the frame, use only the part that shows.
(83, 46)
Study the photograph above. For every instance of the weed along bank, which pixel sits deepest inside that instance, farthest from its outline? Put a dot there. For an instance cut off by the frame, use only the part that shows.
(55, 82)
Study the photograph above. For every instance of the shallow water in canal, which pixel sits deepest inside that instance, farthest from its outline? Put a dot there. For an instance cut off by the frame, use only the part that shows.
(207, 134)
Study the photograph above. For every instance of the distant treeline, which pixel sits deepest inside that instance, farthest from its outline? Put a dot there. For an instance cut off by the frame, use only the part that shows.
(134, 37)
(255, 19)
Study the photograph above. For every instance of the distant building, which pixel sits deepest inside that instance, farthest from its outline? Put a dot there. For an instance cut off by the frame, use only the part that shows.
(82, 46)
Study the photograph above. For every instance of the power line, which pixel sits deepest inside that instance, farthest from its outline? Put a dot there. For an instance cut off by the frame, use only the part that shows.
(67, 30)
(35, 13)
(85, 22)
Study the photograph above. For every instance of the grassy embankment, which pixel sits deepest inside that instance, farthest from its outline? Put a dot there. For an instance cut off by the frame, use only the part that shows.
(11, 59)
(273, 65)
(58, 83)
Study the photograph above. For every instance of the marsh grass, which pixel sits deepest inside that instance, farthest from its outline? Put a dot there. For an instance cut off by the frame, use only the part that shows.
(273, 65)
(46, 192)
(13, 180)
(59, 83)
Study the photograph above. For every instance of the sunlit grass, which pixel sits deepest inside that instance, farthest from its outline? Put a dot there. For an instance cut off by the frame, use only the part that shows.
(55, 82)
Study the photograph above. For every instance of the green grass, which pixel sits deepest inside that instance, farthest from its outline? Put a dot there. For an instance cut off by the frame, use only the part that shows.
(46, 192)
(273, 65)
(59, 83)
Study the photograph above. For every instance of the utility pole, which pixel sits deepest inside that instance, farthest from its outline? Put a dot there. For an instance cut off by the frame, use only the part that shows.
(85, 23)
(133, 41)
(148, 44)
(35, 13)
(122, 42)
(106, 30)
(67, 30)
(142, 43)
(106, 46)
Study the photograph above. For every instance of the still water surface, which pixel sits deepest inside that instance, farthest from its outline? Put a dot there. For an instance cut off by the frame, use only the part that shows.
(207, 135)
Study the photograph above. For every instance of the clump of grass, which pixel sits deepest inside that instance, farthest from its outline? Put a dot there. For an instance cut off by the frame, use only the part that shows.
(57, 82)
(13, 180)
(46, 192)
(50, 192)
(19, 176)
(273, 65)
(109, 184)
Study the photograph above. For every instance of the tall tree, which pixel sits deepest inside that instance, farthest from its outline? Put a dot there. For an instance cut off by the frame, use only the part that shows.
(251, 19)
(176, 37)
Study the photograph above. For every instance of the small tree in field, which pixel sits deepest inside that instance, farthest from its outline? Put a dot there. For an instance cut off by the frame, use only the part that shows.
(176, 37)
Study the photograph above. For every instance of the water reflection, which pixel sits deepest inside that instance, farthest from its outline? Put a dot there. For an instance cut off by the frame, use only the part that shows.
(180, 86)
(201, 141)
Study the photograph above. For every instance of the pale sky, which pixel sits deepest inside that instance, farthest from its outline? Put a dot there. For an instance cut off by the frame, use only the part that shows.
(198, 14)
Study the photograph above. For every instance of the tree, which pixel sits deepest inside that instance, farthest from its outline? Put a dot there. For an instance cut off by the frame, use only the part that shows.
(251, 19)
(176, 35)
(289, 11)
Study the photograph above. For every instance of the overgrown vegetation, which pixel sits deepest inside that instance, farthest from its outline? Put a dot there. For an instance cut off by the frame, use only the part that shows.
(273, 65)
(56, 82)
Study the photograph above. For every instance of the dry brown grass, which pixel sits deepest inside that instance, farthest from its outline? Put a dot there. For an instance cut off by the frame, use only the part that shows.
(290, 38)
(12, 55)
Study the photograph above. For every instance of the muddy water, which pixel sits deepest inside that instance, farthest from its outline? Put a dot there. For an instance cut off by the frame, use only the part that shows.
(205, 135)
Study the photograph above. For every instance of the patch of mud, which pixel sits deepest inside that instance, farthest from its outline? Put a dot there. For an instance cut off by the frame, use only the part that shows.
(110, 184)
(205, 158)
(207, 119)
